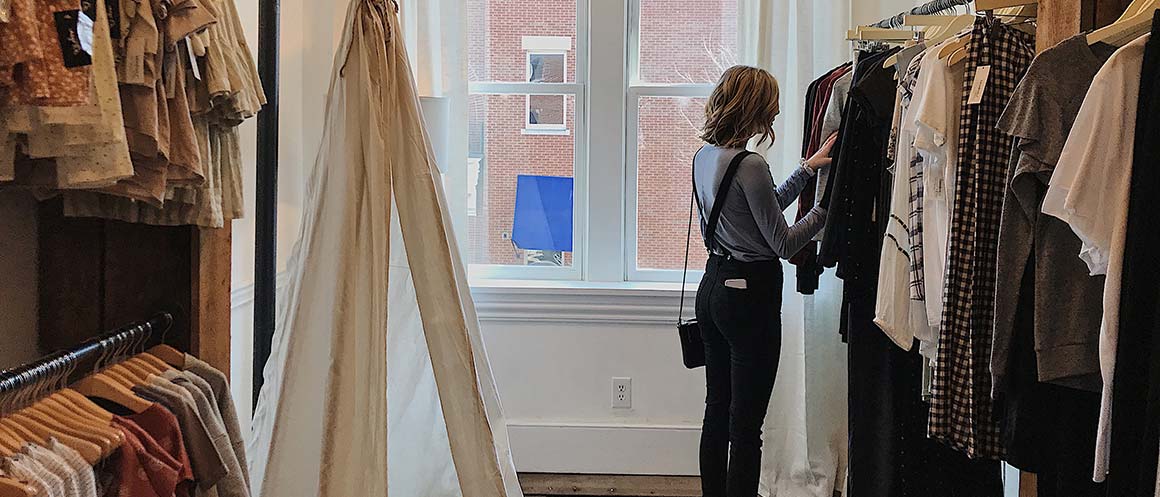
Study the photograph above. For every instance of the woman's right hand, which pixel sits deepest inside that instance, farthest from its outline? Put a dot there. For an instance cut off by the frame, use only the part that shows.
(822, 157)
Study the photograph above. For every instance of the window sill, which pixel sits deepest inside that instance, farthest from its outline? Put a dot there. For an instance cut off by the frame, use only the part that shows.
(579, 302)
(546, 131)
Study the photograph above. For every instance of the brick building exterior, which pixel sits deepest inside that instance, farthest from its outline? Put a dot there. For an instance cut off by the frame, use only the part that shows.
(681, 42)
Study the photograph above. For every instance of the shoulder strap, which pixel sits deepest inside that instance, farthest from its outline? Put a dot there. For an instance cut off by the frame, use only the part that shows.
(719, 199)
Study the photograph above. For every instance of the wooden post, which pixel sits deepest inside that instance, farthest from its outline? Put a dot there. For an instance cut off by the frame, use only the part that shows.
(210, 310)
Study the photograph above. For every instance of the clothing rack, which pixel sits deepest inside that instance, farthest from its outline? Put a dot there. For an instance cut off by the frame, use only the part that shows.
(929, 8)
(22, 385)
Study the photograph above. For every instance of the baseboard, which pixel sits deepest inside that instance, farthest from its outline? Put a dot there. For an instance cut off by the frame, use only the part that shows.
(605, 448)
(552, 484)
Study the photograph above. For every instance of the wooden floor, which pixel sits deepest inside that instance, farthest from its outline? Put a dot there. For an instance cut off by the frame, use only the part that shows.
(550, 485)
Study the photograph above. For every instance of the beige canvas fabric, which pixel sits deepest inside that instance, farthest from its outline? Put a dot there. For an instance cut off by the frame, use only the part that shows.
(375, 281)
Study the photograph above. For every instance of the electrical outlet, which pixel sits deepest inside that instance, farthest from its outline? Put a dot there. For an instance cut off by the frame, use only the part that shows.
(622, 393)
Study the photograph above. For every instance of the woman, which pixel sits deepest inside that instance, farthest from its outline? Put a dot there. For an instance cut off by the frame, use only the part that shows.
(739, 300)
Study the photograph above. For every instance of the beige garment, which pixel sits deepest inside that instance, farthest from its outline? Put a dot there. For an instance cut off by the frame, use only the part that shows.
(209, 205)
(88, 142)
(220, 386)
(235, 483)
(202, 441)
(349, 293)
(140, 44)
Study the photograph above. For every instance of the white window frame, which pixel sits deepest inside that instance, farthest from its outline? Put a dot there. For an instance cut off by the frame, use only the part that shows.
(580, 176)
(536, 128)
(637, 89)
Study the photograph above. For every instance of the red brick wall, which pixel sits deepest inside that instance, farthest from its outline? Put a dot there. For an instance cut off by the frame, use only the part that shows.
(681, 42)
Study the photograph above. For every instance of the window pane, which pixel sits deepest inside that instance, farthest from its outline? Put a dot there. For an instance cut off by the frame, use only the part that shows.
(667, 138)
(546, 111)
(502, 33)
(546, 68)
(520, 202)
(687, 42)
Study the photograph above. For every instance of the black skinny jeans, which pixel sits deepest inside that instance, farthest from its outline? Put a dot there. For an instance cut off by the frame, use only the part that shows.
(742, 333)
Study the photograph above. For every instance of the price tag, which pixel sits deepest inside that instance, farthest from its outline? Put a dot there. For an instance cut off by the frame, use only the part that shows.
(192, 60)
(979, 85)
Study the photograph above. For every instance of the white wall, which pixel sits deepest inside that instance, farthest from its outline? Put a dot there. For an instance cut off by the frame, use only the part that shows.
(18, 279)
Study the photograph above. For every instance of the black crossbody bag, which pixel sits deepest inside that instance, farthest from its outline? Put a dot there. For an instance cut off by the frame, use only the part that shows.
(692, 343)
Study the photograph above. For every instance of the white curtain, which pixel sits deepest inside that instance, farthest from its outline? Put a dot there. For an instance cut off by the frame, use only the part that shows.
(805, 436)
(378, 383)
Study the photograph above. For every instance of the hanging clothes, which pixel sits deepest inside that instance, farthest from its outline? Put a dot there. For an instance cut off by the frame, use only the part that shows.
(818, 96)
(153, 137)
(896, 314)
(1047, 308)
(163, 438)
(1089, 190)
(1135, 434)
(962, 411)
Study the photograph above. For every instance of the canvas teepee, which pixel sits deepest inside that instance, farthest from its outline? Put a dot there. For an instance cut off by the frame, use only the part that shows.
(379, 382)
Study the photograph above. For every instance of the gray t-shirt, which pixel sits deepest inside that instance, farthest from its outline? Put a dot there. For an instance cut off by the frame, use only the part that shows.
(1067, 301)
(752, 225)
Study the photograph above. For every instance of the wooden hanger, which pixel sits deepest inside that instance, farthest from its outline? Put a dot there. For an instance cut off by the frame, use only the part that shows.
(129, 374)
(11, 487)
(157, 363)
(170, 355)
(982, 5)
(117, 375)
(75, 428)
(24, 434)
(88, 421)
(70, 396)
(10, 443)
(863, 33)
(99, 385)
(91, 452)
(149, 368)
(1136, 21)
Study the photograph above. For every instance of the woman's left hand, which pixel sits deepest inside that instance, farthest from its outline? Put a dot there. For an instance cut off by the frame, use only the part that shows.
(822, 157)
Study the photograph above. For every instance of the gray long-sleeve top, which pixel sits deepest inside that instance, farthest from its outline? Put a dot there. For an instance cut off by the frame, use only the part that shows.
(752, 225)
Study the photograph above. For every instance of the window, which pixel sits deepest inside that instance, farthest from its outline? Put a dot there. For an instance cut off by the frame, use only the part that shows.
(548, 197)
(526, 165)
(677, 51)
(546, 113)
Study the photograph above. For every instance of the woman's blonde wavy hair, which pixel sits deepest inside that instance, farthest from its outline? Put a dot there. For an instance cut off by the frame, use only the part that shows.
(743, 105)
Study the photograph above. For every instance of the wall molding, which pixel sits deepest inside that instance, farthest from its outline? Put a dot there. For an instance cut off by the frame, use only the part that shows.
(556, 302)
(244, 296)
(580, 304)
(605, 448)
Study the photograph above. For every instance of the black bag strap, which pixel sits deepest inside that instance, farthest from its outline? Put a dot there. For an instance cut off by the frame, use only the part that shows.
(714, 217)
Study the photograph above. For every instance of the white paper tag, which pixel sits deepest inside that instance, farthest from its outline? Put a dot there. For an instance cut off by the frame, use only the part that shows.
(979, 85)
(85, 32)
(192, 60)
(737, 284)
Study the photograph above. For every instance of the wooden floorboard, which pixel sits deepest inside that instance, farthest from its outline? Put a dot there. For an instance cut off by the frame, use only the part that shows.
(551, 485)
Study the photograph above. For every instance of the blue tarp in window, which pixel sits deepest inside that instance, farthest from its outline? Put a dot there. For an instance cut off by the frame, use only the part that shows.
(543, 215)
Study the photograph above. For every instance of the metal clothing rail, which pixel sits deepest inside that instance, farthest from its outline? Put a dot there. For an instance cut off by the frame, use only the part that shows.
(929, 8)
(25, 384)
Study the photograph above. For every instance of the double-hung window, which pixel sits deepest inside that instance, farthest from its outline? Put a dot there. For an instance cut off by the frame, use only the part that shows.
(584, 118)
(526, 208)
